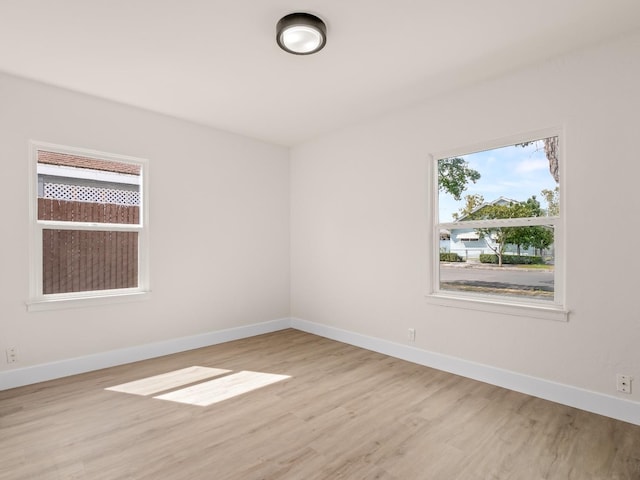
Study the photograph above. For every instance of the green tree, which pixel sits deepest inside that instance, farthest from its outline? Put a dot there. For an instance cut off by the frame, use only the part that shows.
(536, 236)
(523, 237)
(499, 235)
(552, 197)
(540, 237)
(471, 202)
(454, 174)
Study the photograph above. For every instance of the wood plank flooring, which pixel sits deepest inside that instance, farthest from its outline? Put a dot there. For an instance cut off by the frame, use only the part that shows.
(344, 413)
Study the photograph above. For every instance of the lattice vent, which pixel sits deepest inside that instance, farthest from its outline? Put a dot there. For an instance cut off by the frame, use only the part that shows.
(80, 193)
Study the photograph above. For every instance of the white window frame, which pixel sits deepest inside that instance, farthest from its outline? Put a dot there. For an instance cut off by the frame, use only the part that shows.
(493, 303)
(37, 299)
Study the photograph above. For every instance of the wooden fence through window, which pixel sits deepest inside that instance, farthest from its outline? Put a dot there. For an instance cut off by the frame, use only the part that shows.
(83, 260)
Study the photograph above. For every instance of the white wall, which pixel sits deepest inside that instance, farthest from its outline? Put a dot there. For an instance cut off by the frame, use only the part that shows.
(219, 226)
(359, 235)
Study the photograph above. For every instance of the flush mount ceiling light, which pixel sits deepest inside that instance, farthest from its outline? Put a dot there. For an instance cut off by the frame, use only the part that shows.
(301, 33)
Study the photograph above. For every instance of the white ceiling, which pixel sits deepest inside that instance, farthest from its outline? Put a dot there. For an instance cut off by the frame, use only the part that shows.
(216, 62)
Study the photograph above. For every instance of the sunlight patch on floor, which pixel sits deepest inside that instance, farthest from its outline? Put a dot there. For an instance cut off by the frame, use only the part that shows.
(214, 391)
(168, 381)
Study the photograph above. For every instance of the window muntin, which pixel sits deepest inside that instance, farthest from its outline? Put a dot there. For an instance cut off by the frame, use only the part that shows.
(89, 224)
(510, 211)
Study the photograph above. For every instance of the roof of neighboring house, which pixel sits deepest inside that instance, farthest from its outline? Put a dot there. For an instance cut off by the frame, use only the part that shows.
(497, 201)
(67, 160)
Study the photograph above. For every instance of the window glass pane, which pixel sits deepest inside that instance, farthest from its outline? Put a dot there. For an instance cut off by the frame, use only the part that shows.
(516, 181)
(81, 260)
(74, 188)
(507, 261)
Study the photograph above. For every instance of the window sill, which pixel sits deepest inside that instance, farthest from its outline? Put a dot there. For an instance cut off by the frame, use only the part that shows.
(545, 312)
(87, 301)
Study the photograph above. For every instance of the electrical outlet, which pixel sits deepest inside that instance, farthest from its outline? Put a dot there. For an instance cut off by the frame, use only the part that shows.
(412, 335)
(12, 355)
(623, 383)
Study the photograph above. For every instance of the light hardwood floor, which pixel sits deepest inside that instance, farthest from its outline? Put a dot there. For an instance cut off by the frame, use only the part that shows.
(345, 413)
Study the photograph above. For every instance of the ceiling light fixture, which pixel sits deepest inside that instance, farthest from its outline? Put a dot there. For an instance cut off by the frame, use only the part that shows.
(301, 33)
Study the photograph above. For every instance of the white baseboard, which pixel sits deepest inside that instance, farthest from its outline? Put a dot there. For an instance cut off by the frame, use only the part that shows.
(625, 410)
(63, 368)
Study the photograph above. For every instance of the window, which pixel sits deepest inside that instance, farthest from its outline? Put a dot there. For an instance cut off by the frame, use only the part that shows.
(88, 219)
(499, 205)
